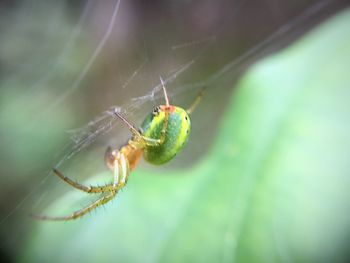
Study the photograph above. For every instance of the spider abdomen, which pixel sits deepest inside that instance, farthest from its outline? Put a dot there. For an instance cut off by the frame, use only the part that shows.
(176, 136)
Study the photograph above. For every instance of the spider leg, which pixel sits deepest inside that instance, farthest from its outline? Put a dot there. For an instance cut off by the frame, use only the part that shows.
(150, 141)
(123, 165)
(103, 200)
(196, 101)
(145, 140)
(87, 189)
(165, 125)
(120, 175)
(119, 164)
(167, 114)
(112, 162)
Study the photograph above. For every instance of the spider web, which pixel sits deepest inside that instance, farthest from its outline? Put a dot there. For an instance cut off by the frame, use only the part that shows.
(58, 71)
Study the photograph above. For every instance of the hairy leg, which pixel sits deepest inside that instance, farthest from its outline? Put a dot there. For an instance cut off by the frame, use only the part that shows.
(120, 177)
(103, 200)
(87, 189)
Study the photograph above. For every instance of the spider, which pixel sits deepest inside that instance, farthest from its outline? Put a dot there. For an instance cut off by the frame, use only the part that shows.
(163, 133)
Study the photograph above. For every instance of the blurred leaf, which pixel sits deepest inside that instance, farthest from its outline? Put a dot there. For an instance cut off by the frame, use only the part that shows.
(274, 188)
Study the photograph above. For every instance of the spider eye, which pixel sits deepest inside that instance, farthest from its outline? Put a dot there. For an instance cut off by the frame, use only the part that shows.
(156, 111)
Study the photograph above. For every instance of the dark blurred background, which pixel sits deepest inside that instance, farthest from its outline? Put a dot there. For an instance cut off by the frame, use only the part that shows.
(64, 63)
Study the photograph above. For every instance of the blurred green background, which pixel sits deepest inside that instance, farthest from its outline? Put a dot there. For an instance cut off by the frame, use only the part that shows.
(265, 175)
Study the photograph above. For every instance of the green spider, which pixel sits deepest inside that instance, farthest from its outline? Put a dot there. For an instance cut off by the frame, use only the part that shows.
(163, 134)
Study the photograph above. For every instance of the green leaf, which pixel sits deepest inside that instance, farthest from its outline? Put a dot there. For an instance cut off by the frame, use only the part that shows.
(275, 186)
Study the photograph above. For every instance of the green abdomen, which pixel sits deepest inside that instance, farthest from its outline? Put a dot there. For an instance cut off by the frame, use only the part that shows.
(177, 134)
